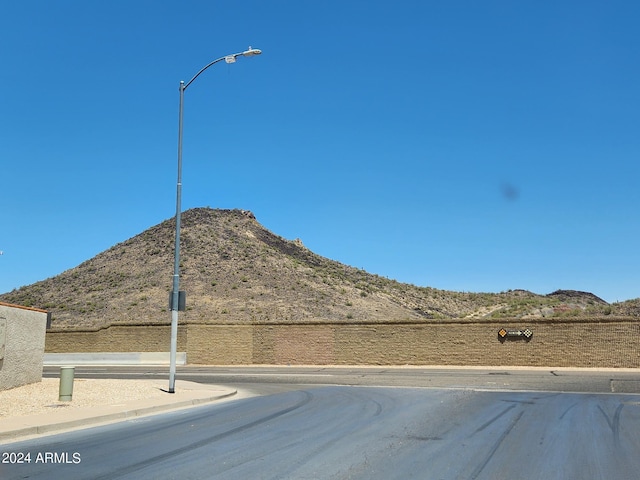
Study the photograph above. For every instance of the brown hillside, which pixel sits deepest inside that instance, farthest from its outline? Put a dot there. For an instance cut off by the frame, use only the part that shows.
(234, 270)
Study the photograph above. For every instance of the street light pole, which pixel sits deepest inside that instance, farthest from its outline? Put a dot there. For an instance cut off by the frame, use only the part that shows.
(175, 293)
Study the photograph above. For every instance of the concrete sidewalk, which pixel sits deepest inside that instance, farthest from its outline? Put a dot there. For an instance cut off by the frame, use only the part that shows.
(58, 419)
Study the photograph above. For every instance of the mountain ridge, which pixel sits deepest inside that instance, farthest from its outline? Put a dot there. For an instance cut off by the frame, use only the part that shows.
(234, 270)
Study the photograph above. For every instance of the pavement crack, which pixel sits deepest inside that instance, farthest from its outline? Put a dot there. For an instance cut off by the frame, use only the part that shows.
(495, 447)
(614, 423)
(486, 424)
(163, 457)
(567, 410)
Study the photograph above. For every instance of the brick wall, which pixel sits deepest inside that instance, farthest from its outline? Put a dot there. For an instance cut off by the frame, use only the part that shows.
(574, 342)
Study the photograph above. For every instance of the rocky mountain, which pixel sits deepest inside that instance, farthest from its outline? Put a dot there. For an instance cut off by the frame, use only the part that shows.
(234, 270)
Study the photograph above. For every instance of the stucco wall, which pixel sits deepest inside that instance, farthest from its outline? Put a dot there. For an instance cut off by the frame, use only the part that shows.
(24, 341)
(607, 342)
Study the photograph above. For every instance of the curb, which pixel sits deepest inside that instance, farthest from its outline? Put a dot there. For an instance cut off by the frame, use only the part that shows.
(94, 420)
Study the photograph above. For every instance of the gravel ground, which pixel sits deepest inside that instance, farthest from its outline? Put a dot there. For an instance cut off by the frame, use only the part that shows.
(42, 397)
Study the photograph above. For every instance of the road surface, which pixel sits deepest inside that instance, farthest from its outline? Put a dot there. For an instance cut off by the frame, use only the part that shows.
(356, 432)
(274, 379)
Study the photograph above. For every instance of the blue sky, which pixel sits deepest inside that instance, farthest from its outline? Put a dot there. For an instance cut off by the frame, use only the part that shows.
(462, 145)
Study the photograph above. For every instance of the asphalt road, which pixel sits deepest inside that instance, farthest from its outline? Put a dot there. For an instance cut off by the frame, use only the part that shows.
(338, 432)
(468, 424)
(265, 380)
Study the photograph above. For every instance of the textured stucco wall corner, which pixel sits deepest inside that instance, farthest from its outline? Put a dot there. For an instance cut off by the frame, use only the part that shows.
(25, 330)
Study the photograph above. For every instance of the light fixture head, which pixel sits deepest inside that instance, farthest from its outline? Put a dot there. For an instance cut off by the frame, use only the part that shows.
(251, 51)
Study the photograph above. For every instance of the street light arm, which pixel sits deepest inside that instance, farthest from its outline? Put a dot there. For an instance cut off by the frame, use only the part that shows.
(228, 58)
(175, 291)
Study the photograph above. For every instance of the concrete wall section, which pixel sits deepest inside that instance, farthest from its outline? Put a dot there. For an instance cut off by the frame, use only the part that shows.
(568, 343)
(220, 344)
(22, 332)
(116, 338)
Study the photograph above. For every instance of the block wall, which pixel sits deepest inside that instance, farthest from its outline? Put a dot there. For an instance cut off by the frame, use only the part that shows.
(568, 343)
(115, 338)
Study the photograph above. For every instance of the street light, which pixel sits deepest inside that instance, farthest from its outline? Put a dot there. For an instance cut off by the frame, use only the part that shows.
(175, 293)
